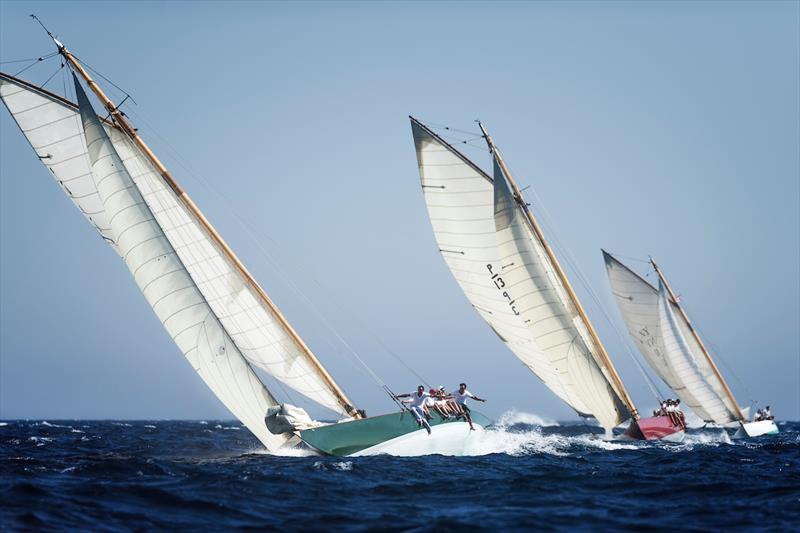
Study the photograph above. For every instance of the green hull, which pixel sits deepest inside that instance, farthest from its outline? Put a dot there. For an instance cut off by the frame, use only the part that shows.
(347, 438)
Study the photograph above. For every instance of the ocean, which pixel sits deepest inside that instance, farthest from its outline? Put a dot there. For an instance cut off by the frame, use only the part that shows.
(213, 475)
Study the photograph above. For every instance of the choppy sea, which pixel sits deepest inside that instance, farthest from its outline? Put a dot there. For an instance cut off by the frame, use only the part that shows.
(530, 474)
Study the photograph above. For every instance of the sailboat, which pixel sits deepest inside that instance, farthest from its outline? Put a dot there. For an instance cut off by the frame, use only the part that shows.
(673, 348)
(214, 310)
(499, 256)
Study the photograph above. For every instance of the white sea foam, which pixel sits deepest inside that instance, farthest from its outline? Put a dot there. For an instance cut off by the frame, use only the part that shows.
(3, 424)
(342, 466)
(514, 417)
(289, 452)
(48, 424)
(149, 426)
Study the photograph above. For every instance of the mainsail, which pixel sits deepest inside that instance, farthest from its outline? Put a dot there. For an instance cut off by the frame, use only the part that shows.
(666, 341)
(509, 279)
(215, 316)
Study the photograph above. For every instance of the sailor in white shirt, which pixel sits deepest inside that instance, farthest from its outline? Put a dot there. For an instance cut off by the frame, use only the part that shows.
(417, 401)
(460, 396)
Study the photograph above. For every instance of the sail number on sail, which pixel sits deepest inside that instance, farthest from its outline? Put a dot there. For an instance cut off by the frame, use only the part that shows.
(500, 284)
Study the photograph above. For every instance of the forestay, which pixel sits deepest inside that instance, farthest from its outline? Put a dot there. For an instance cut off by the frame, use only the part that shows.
(666, 342)
(506, 278)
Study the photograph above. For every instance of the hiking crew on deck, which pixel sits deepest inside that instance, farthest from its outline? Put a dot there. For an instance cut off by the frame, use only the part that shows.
(460, 396)
(417, 401)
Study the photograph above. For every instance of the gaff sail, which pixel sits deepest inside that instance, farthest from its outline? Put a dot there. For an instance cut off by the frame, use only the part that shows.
(509, 279)
(665, 340)
(236, 323)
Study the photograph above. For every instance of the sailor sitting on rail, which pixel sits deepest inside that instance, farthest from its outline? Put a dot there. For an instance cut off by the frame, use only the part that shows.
(438, 403)
(764, 414)
(417, 407)
(675, 414)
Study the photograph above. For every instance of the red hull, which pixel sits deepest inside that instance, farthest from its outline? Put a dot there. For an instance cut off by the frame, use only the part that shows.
(653, 428)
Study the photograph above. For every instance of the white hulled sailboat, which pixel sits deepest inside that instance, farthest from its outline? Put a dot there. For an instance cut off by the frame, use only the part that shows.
(211, 306)
(672, 347)
(497, 252)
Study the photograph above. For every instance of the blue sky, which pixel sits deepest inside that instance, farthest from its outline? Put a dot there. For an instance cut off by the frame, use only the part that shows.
(669, 129)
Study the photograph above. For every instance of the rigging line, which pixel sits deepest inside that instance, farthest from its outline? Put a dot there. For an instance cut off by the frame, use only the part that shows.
(722, 360)
(629, 258)
(461, 142)
(371, 333)
(257, 241)
(573, 265)
(26, 68)
(40, 58)
(120, 89)
(448, 128)
(52, 76)
(277, 267)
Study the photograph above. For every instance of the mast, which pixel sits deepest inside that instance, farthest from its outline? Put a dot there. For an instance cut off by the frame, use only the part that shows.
(131, 132)
(534, 225)
(696, 336)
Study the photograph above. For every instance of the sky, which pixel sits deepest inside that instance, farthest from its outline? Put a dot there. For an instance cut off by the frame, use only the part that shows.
(663, 129)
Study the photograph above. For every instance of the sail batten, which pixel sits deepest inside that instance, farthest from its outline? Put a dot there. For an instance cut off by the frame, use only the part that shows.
(664, 339)
(488, 248)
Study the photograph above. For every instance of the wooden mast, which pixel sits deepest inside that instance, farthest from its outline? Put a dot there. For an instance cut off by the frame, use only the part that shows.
(696, 336)
(537, 230)
(131, 132)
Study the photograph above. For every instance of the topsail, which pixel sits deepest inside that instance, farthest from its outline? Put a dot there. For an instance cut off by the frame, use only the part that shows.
(509, 278)
(214, 311)
(666, 340)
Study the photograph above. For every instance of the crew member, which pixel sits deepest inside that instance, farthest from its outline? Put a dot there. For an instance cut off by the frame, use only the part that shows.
(416, 401)
(460, 396)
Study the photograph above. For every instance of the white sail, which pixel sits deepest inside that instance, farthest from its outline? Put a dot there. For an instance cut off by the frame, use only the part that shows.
(259, 336)
(53, 128)
(666, 342)
(505, 277)
(168, 286)
(552, 321)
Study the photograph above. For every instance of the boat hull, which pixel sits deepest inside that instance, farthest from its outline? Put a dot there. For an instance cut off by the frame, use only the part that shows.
(395, 433)
(756, 429)
(654, 428)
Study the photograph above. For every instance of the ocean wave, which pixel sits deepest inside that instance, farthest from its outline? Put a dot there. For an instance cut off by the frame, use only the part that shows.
(45, 423)
(514, 417)
(341, 466)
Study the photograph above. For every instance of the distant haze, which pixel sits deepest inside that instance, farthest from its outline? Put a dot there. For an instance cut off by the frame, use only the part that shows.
(670, 129)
